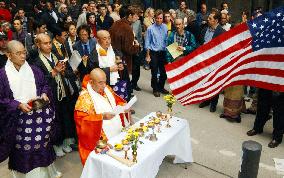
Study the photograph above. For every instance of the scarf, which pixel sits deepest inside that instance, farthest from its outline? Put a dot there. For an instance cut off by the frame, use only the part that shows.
(58, 78)
(22, 82)
(106, 104)
(107, 60)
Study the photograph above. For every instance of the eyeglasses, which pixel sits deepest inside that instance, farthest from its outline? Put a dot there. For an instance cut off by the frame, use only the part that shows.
(18, 53)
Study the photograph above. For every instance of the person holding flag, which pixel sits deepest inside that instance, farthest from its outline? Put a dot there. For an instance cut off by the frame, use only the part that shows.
(250, 54)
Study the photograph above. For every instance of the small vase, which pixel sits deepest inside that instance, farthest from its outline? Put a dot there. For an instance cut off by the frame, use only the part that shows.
(134, 155)
(170, 110)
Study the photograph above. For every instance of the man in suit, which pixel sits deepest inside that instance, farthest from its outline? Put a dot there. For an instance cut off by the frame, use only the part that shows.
(212, 31)
(61, 49)
(50, 17)
(104, 21)
(85, 46)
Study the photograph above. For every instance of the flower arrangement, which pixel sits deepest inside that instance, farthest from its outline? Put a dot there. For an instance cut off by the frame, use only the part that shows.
(170, 100)
(133, 137)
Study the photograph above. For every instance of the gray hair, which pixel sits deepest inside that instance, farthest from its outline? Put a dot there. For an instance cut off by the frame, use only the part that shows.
(12, 44)
(60, 7)
(40, 36)
(191, 15)
(179, 19)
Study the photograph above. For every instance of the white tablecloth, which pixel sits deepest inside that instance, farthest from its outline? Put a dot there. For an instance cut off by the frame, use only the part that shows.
(171, 141)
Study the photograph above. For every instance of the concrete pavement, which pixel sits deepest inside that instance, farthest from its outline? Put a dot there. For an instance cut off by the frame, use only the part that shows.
(216, 143)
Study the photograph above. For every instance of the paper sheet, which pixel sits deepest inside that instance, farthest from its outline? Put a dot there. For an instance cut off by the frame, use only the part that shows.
(75, 60)
(279, 165)
(121, 109)
(172, 48)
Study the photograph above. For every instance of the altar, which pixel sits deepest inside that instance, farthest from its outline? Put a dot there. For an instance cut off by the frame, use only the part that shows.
(174, 140)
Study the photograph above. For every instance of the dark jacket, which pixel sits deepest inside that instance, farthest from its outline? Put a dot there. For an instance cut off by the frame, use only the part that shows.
(106, 24)
(122, 38)
(49, 21)
(82, 69)
(74, 11)
(218, 31)
(69, 75)
(195, 29)
(3, 60)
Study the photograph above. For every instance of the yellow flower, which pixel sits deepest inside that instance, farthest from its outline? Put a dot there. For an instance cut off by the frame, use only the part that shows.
(130, 130)
(118, 146)
(136, 134)
(145, 128)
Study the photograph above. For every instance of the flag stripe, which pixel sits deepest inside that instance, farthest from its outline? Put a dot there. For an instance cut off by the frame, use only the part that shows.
(187, 88)
(265, 78)
(275, 63)
(258, 72)
(219, 44)
(258, 84)
(224, 69)
(249, 54)
(211, 63)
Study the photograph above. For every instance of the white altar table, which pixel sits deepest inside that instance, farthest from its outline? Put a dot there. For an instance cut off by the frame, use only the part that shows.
(171, 141)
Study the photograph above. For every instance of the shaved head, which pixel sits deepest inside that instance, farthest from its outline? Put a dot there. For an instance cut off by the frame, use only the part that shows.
(97, 73)
(14, 44)
(43, 43)
(98, 80)
(102, 33)
(16, 53)
(104, 39)
(40, 37)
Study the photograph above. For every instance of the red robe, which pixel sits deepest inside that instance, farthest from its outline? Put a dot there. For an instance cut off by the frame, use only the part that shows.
(89, 124)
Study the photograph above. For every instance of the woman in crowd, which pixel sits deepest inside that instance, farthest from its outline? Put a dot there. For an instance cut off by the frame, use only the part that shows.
(148, 17)
(91, 21)
(115, 11)
(72, 35)
(173, 14)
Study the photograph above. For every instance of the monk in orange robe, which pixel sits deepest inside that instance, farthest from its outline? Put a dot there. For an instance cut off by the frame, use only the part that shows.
(93, 113)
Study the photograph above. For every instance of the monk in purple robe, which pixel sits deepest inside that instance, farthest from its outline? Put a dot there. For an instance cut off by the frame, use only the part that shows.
(25, 132)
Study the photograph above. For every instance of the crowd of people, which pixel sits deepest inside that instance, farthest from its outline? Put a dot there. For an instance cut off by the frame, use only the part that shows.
(113, 41)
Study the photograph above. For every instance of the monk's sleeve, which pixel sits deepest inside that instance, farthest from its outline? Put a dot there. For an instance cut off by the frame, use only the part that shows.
(7, 103)
(8, 118)
(89, 128)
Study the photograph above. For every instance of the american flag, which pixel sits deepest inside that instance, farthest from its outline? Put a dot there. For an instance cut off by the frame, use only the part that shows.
(249, 54)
